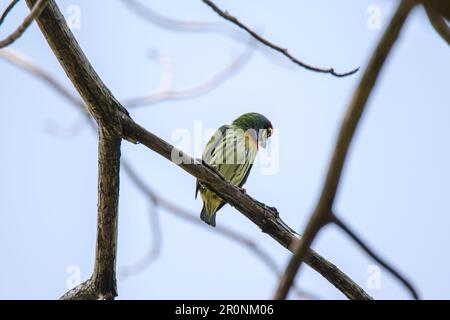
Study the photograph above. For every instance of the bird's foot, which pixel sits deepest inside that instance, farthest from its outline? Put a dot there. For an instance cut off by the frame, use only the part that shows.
(243, 190)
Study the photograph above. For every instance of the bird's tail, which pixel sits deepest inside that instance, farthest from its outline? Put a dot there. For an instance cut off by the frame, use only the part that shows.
(208, 218)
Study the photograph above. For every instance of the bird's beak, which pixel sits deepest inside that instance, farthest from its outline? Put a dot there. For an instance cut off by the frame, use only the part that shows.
(262, 141)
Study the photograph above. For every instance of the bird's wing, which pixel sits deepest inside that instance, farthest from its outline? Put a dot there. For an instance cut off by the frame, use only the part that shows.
(217, 139)
(214, 141)
(235, 155)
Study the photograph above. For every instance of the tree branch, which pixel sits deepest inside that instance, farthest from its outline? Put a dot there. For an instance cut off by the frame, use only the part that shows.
(101, 104)
(35, 12)
(7, 11)
(438, 23)
(111, 115)
(102, 284)
(193, 26)
(375, 257)
(322, 213)
(283, 51)
(265, 217)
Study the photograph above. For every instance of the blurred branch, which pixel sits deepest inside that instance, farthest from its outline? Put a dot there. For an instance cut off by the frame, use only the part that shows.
(35, 12)
(7, 11)
(166, 93)
(152, 16)
(322, 213)
(438, 23)
(112, 117)
(283, 51)
(102, 284)
(375, 257)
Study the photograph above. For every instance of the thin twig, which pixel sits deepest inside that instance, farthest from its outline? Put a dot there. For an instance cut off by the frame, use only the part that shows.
(168, 94)
(438, 23)
(201, 27)
(375, 257)
(149, 14)
(322, 213)
(35, 12)
(8, 10)
(283, 51)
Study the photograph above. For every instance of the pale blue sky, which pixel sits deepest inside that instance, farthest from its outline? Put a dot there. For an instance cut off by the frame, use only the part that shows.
(394, 191)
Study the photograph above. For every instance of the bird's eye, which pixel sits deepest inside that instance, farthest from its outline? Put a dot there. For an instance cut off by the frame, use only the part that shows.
(269, 132)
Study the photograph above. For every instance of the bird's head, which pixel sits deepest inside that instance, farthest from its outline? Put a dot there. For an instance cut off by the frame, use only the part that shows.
(256, 122)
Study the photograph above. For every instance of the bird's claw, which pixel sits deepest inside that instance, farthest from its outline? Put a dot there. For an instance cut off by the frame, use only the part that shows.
(243, 190)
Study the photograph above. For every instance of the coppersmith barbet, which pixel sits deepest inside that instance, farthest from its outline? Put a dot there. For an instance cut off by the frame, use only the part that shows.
(231, 151)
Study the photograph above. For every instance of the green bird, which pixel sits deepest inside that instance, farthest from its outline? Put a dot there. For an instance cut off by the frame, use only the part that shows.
(231, 151)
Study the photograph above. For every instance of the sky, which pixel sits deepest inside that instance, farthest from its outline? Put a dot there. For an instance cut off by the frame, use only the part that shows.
(394, 191)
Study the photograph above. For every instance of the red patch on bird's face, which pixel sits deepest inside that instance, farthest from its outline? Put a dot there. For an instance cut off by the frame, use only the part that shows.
(252, 139)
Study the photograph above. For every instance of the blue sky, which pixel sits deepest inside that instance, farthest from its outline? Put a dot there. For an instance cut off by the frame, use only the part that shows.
(394, 189)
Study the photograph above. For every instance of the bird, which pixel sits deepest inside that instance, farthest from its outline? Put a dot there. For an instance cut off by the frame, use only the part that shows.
(231, 152)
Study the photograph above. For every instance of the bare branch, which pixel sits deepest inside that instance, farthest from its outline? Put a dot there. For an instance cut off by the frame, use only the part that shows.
(375, 257)
(35, 12)
(322, 213)
(7, 11)
(194, 26)
(185, 215)
(148, 14)
(438, 23)
(168, 94)
(99, 101)
(102, 283)
(114, 118)
(283, 51)
(267, 218)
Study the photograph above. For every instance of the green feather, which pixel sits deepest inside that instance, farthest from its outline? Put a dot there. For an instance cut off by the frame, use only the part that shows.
(231, 151)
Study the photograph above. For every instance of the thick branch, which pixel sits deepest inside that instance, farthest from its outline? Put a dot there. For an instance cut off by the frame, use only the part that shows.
(266, 218)
(283, 51)
(102, 105)
(35, 12)
(438, 23)
(107, 112)
(322, 213)
(102, 284)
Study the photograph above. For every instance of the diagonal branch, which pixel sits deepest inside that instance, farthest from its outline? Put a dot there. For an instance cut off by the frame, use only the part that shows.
(283, 51)
(113, 118)
(375, 257)
(266, 218)
(8, 10)
(200, 27)
(438, 23)
(322, 213)
(35, 12)
(101, 104)
(168, 94)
